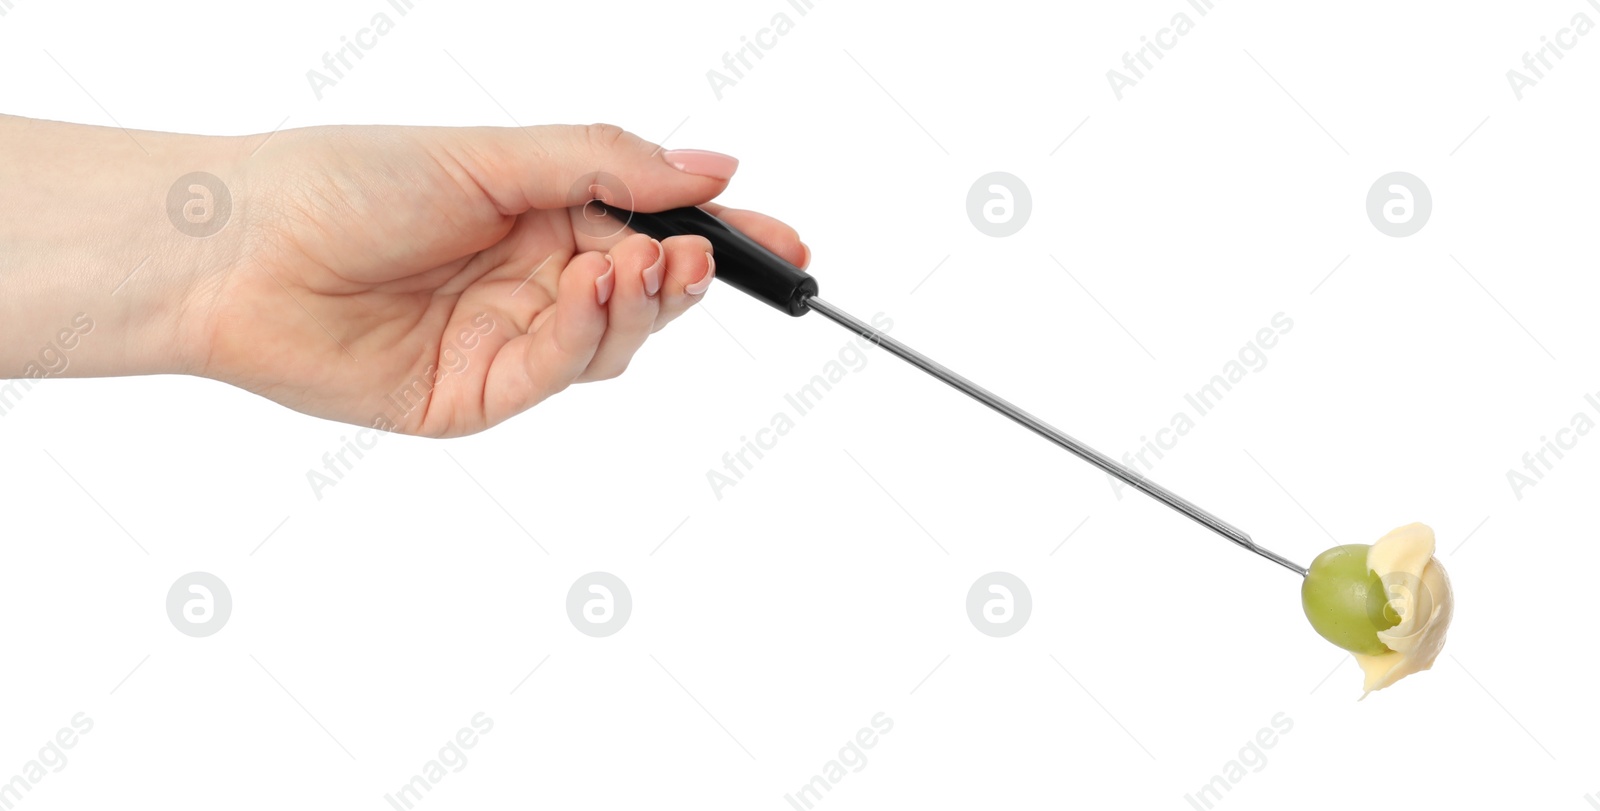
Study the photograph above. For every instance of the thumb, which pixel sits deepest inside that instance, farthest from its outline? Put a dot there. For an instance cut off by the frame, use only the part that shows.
(560, 166)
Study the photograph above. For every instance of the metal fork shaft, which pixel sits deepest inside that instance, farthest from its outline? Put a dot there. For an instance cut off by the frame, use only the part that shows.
(1040, 427)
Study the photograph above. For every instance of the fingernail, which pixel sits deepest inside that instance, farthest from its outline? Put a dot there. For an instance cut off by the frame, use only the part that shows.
(652, 274)
(704, 284)
(702, 162)
(805, 261)
(606, 282)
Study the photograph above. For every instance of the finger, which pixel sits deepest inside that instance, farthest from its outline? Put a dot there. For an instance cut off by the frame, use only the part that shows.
(596, 231)
(778, 236)
(690, 269)
(559, 166)
(534, 366)
(641, 264)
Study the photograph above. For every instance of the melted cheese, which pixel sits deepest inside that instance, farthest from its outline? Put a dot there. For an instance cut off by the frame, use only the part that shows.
(1419, 591)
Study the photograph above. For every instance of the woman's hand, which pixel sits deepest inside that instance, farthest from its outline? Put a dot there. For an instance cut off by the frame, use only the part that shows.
(422, 280)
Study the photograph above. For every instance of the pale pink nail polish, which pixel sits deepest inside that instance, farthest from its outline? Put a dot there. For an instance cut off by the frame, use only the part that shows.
(702, 162)
(652, 274)
(704, 284)
(606, 282)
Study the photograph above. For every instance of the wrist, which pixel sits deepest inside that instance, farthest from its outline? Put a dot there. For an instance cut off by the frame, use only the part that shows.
(110, 248)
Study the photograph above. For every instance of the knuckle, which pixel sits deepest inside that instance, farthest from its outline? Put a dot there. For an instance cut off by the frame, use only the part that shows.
(604, 136)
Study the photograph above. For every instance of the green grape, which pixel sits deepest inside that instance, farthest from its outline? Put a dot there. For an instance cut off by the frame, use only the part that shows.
(1346, 603)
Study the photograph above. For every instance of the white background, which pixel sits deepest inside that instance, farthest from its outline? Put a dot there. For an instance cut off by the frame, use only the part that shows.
(774, 623)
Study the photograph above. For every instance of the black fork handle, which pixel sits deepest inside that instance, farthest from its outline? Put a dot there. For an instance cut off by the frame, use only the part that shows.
(741, 261)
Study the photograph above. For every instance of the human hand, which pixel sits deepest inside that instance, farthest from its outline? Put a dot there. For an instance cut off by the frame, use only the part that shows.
(429, 281)
(439, 281)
